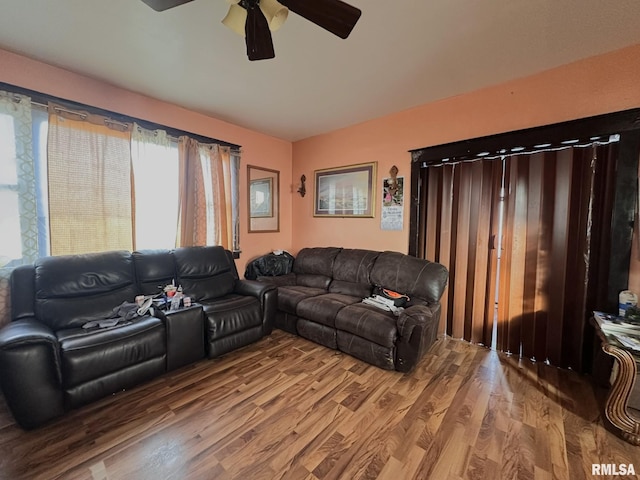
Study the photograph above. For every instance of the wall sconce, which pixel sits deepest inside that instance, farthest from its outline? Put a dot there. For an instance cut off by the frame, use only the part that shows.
(393, 182)
(303, 189)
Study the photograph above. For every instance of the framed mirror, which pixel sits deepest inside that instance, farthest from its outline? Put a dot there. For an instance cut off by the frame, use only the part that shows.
(263, 187)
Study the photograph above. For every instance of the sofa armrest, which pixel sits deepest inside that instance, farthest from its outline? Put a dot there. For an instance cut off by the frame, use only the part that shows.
(418, 330)
(412, 317)
(26, 332)
(30, 373)
(252, 288)
(268, 296)
(287, 280)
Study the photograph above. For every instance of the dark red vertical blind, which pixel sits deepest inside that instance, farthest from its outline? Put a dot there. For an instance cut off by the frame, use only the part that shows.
(543, 277)
(461, 199)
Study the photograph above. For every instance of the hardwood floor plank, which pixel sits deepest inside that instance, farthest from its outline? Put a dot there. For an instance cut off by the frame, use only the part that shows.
(403, 468)
(288, 409)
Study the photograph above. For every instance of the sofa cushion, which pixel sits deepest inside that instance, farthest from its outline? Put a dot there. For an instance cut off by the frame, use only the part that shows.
(154, 268)
(360, 290)
(289, 297)
(87, 354)
(354, 265)
(316, 261)
(313, 281)
(410, 275)
(368, 322)
(205, 273)
(324, 308)
(351, 272)
(71, 290)
(231, 314)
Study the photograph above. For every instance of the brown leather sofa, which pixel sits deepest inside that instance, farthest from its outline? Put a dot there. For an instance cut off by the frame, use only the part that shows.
(321, 300)
(49, 363)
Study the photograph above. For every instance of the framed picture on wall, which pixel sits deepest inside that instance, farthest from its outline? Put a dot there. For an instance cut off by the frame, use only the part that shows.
(261, 198)
(345, 191)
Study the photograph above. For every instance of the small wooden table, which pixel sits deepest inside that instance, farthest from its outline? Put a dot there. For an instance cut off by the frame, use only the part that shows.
(616, 408)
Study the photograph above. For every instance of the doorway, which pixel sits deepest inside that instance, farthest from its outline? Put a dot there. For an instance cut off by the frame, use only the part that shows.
(526, 235)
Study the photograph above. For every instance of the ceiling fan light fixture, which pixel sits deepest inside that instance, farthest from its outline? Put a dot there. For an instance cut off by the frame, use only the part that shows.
(236, 19)
(275, 13)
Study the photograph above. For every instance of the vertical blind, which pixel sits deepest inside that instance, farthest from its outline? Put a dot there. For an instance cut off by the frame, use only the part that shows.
(460, 218)
(544, 274)
(529, 298)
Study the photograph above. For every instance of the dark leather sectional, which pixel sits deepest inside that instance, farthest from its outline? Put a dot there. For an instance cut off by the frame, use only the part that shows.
(50, 364)
(321, 300)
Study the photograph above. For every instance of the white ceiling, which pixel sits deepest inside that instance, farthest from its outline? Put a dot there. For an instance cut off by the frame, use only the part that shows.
(401, 54)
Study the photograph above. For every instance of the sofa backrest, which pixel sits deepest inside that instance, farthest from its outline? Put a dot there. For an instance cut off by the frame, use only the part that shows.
(410, 275)
(314, 266)
(205, 273)
(71, 290)
(352, 272)
(154, 268)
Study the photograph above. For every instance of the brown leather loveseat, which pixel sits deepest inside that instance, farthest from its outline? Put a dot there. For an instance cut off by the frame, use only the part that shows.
(321, 300)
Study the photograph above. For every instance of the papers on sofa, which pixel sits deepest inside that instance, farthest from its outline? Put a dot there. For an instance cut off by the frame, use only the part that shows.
(383, 304)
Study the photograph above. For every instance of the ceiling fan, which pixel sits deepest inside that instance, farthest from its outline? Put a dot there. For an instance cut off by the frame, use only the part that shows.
(256, 19)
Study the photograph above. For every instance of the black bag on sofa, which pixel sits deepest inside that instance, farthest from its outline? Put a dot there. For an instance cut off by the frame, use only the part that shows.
(270, 265)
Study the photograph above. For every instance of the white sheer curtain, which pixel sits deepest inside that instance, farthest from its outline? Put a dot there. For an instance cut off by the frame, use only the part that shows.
(155, 176)
(18, 215)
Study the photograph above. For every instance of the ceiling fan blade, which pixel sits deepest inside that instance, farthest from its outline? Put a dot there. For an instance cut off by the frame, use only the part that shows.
(333, 15)
(161, 5)
(258, 36)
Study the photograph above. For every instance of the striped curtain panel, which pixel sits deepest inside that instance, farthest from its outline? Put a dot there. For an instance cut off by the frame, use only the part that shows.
(205, 192)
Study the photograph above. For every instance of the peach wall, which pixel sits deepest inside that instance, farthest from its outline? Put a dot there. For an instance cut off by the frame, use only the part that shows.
(257, 148)
(597, 85)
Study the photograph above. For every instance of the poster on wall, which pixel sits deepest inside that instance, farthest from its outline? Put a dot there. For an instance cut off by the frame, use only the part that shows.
(392, 217)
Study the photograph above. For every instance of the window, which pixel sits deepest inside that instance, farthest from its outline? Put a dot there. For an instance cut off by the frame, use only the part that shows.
(155, 172)
(49, 195)
(18, 215)
(10, 240)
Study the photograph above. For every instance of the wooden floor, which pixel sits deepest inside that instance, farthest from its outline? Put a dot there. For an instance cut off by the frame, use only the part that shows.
(287, 408)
